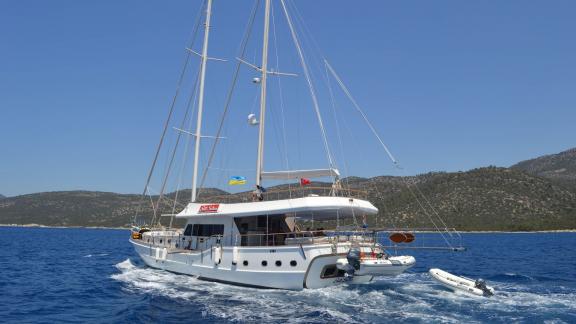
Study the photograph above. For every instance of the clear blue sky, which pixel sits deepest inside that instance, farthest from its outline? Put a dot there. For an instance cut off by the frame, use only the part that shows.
(451, 85)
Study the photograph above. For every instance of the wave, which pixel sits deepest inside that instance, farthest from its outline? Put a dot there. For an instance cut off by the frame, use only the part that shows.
(410, 296)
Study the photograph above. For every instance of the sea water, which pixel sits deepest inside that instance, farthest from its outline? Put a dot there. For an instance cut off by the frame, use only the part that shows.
(93, 275)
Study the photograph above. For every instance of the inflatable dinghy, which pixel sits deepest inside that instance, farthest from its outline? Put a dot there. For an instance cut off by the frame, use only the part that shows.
(475, 287)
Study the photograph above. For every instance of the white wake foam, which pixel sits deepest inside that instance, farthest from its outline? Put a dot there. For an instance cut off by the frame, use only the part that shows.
(406, 297)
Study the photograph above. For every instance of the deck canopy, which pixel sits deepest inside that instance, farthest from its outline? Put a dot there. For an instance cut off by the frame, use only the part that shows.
(308, 207)
(297, 174)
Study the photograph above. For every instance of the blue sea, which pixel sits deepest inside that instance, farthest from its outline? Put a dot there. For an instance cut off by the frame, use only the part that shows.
(93, 275)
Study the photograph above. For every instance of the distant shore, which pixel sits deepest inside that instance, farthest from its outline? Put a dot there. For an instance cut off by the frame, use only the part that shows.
(127, 228)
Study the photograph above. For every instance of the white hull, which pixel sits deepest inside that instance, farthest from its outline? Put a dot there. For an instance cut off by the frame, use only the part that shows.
(308, 271)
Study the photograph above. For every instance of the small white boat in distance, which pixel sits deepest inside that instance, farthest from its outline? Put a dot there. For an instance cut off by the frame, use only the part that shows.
(476, 287)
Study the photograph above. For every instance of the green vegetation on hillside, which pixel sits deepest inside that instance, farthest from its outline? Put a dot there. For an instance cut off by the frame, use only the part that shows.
(527, 197)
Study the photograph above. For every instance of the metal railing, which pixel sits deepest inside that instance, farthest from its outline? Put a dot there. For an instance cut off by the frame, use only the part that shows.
(177, 240)
(288, 193)
(426, 239)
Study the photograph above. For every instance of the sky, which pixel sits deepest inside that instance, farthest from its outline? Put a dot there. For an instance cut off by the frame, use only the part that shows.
(85, 87)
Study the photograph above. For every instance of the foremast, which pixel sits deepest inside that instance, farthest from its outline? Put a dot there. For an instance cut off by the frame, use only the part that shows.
(198, 134)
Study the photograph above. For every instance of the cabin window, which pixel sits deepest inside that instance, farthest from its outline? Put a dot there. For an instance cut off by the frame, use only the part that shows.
(245, 263)
(188, 230)
(207, 229)
(262, 221)
(293, 263)
(278, 263)
(264, 263)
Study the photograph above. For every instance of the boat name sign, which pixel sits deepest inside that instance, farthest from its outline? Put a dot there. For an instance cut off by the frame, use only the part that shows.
(212, 208)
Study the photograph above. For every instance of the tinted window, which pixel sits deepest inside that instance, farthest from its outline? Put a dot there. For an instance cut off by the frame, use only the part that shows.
(188, 230)
(262, 221)
(208, 229)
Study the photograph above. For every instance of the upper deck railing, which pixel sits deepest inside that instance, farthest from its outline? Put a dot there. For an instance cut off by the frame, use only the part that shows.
(287, 193)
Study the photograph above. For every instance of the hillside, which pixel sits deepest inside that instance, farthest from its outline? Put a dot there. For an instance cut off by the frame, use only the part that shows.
(83, 208)
(559, 167)
(481, 199)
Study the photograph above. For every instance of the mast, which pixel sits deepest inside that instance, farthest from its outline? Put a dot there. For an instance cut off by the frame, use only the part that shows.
(204, 59)
(264, 69)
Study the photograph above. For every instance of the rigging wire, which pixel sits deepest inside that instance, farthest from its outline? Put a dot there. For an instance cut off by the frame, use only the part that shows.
(171, 109)
(339, 136)
(395, 162)
(191, 101)
(247, 33)
(174, 151)
(315, 46)
(310, 85)
(281, 99)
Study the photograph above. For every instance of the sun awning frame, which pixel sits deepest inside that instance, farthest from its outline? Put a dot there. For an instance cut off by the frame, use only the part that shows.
(298, 174)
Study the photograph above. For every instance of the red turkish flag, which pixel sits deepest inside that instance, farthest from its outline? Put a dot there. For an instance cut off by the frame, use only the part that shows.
(304, 181)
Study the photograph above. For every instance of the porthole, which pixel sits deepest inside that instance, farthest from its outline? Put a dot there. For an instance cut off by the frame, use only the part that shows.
(169, 241)
(278, 263)
(293, 263)
(264, 263)
(245, 263)
(160, 240)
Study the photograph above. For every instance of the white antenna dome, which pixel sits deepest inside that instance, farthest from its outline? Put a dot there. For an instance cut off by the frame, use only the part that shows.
(252, 120)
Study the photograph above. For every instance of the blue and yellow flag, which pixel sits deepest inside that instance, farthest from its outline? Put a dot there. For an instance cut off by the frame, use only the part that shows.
(237, 181)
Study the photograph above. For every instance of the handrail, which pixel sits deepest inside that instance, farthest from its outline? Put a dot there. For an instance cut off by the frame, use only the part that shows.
(298, 192)
(179, 241)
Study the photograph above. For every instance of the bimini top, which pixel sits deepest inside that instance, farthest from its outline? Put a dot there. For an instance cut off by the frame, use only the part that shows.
(308, 207)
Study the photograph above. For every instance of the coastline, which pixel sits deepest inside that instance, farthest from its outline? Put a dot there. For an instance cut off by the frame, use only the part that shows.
(128, 228)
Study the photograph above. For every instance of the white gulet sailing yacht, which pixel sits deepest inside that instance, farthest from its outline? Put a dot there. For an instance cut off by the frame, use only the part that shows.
(256, 241)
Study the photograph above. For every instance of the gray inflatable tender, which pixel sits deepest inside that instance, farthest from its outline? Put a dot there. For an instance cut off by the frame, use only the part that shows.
(476, 287)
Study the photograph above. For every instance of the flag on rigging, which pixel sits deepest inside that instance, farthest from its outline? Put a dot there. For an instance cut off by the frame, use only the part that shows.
(304, 181)
(236, 180)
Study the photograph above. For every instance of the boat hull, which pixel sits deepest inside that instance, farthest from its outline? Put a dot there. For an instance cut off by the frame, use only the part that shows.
(290, 267)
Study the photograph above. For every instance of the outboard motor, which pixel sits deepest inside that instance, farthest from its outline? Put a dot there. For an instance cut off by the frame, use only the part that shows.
(353, 258)
(481, 284)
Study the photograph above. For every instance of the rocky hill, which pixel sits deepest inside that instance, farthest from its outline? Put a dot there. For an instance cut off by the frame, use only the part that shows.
(85, 208)
(559, 167)
(526, 197)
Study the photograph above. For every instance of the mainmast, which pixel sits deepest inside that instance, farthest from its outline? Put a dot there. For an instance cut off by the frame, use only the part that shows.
(264, 70)
(198, 134)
